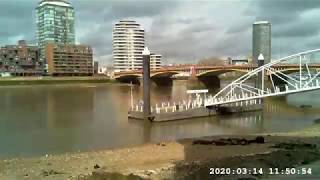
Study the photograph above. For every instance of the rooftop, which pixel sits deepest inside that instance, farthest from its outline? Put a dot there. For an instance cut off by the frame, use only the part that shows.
(261, 22)
(127, 20)
(55, 2)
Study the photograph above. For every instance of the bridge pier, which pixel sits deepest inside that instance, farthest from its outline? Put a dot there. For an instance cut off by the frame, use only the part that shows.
(162, 81)
(278, 81)
(129, 80)
(210, 81)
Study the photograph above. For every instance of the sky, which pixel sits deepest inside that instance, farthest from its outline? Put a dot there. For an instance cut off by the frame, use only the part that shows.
(182, 31)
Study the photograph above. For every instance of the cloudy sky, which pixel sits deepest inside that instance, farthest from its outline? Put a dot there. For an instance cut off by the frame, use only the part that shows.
(183, 31)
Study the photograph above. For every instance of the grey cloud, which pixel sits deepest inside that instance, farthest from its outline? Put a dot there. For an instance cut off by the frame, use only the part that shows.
(238, 28)
(111, 10)
(105, 13)
(292, 30)
(297, 29)
(284, 6)
(172, 45)
(199, 28)
(197, 40)
(184, 20)
(17, 9)
(17, 20)
(140, 8)
(281, 12)
(181, 31)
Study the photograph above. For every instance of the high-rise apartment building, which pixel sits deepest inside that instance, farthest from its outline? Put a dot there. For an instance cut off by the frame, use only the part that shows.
(55, 24)
(261, 41)
(155, 61)
(69, 60)
(128, 44)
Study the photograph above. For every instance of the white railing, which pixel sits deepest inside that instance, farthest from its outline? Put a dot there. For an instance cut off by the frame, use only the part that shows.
(241, 90)
(168, 107)
(172, 107)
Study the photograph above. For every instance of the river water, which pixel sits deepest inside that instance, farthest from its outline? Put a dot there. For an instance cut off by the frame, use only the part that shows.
(38, 120)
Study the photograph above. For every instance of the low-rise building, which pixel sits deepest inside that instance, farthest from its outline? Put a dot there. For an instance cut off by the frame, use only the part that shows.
(228, 61)
(95, 67)
(102, 70)
(69, 60)
(155, 61)
(239, 61)
(21, 59)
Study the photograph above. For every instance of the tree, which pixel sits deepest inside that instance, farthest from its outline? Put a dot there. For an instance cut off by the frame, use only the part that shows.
(213, 61)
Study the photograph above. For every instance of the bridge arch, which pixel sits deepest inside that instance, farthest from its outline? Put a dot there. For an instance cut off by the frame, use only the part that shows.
(129, 78)
(217, 72)
(167, 74)
(163, 78)
(210, 78)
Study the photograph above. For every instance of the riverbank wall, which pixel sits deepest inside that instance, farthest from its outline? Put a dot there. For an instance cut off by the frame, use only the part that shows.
(53, 80)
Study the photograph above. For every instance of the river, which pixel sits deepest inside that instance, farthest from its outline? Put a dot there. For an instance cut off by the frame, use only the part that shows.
(42, 119)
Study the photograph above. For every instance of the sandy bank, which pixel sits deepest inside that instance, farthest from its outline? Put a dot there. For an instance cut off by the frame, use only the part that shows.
(170, 160)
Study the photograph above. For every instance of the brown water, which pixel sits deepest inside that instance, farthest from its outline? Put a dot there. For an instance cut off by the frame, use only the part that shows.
(38, 120)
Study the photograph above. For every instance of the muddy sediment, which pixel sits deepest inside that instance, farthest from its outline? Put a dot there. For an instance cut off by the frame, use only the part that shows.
(283, 154)
(286, 155)
(185, 159)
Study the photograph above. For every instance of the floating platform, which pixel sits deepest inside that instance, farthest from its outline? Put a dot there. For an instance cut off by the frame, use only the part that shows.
(194, 113)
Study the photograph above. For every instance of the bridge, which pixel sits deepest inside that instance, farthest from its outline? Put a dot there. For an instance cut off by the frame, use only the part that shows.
(246, 92)
(207, 74)
(241, 90)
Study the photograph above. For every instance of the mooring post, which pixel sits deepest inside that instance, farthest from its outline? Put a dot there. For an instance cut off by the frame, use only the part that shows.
(260, 80)
(146, 83)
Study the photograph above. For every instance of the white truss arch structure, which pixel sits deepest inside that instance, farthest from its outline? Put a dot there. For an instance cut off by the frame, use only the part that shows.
(245, 88)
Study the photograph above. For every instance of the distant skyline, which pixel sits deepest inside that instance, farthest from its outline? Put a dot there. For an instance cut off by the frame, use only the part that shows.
(181, 30)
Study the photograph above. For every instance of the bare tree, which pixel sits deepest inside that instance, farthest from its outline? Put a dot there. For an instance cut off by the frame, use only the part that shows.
(213, 61)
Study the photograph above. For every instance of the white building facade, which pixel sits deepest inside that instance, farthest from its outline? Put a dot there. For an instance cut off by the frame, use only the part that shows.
(155, 61)
(128, 44)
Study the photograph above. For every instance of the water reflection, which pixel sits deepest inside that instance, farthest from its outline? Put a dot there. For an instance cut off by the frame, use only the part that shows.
(35, 120)
(249, 121)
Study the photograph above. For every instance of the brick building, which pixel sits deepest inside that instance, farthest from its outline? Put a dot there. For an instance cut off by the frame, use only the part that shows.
(69, 60)
(21, 59)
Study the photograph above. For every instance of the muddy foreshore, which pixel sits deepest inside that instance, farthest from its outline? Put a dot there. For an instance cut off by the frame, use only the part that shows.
(183, 159)
(281, 153)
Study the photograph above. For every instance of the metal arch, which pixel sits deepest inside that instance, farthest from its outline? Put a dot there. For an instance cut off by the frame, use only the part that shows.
(228, 95)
